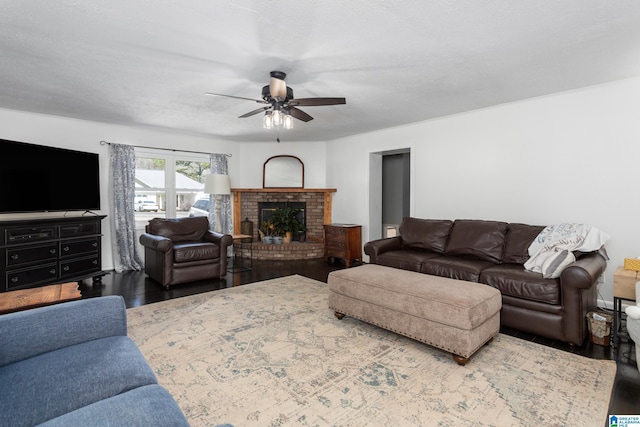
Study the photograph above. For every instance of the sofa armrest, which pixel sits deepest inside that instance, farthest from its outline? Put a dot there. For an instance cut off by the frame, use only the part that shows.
(584, 272)
(155, 242)
(29, 333)
(378, 247)
(579, 294)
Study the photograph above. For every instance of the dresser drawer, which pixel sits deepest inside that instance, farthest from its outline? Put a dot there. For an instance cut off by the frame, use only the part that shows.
(31, 276)
(25, 255)
(77, 267)
(78, 247)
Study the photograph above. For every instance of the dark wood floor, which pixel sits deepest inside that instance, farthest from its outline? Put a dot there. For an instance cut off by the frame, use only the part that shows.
(137, 289)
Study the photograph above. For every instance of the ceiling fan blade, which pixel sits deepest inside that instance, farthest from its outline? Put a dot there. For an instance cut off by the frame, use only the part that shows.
(254, 112)
(299, 114)
(236, 97)
(278, 89)
(317, 101)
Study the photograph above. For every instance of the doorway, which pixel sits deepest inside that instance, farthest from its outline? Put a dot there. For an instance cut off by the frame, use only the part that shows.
(390, 191)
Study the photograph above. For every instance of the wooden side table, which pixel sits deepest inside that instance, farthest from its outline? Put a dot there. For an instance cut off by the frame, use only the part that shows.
(624, 288)
(343, 241)
(25, 299)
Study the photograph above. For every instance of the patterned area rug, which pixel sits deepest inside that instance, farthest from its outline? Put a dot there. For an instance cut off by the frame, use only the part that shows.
(273, 354)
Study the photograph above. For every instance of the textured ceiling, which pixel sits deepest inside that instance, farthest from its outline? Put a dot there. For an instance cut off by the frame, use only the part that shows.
(149, 63)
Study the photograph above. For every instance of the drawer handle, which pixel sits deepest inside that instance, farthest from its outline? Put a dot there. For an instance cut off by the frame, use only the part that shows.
(14, 279)
(94, 244)
(14, 257)
(52, 251)
(52, 271)
(66, 268)
(66, 248)
(95, 262)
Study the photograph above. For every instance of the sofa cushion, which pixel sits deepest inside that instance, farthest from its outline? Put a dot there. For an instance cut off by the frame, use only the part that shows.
(47, 386)
(405, 259)
(519, 238)
(429, 234)
(185, 252)
(179, 229)
(513, 280)
(455, 267)
(149, 405)
(477, 239)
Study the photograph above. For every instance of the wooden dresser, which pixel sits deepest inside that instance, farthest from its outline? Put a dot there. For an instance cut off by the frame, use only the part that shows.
(343, 241)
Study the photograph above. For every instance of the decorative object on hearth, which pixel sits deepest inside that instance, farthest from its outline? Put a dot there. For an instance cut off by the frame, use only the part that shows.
(218, 185)
(267, 231)
(281, 106)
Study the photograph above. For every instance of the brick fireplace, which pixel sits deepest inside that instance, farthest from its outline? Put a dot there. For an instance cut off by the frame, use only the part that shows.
(317, 202)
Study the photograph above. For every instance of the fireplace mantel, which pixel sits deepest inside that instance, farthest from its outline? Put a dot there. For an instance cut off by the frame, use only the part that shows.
(238, 192)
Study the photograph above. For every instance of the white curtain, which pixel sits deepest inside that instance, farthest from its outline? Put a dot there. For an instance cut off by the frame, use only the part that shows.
(219, 166)
(122, 170)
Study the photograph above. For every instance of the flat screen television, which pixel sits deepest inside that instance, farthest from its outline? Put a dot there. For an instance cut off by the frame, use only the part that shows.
(38, 178)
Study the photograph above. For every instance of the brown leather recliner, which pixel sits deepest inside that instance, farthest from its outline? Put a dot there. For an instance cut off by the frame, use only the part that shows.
(183, 250)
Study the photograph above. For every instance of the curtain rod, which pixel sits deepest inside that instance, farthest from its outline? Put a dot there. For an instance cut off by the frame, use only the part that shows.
(165, 149)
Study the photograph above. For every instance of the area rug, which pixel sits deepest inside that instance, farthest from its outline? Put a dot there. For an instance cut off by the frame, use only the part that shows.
(273, 354)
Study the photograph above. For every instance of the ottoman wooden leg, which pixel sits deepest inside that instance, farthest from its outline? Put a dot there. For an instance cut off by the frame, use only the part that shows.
(338, 315)
(460, 360)
(463, 360)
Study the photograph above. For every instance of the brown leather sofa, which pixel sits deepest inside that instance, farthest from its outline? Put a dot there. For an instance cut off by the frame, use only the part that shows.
(183, 250)
(493, 253)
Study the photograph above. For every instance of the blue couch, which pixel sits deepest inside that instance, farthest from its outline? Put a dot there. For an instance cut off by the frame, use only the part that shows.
(72, 364)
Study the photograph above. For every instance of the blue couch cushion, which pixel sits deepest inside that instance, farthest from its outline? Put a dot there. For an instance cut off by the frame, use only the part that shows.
(145, 406)
(31, 332)
(49, 385)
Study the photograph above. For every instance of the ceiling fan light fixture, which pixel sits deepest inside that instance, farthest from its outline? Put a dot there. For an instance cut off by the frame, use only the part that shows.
(267, 120)
(277, 117)
(287, 121)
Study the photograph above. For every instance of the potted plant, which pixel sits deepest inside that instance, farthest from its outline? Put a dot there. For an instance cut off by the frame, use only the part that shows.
(286, 223)
(267, 230)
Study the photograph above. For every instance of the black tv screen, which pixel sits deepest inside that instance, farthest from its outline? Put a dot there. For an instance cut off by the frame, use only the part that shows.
(37, 178)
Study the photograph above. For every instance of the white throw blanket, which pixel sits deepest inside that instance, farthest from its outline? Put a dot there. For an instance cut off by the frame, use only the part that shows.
(566, 236)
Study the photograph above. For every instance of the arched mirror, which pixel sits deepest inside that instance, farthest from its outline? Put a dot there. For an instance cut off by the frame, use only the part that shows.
(283, 172)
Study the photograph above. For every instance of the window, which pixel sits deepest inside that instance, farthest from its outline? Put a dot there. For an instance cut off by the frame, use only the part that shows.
(168, 184)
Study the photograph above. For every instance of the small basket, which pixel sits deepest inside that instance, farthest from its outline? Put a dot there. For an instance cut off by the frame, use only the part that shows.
(600, 330)
(632, 264)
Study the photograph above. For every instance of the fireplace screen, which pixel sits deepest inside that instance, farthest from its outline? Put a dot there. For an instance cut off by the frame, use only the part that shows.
(266, 209)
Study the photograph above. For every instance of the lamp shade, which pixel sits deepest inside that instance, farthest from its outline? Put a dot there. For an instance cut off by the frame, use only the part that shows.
(217, 184)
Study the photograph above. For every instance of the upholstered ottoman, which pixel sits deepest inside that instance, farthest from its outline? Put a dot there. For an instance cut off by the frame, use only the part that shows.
(453, 315)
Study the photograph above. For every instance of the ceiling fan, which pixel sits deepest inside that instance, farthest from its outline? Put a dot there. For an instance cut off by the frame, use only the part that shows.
(281, 105)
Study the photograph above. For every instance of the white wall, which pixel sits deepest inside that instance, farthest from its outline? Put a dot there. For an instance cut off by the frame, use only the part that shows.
(568, 157)
(249, 158)
(245, 165)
